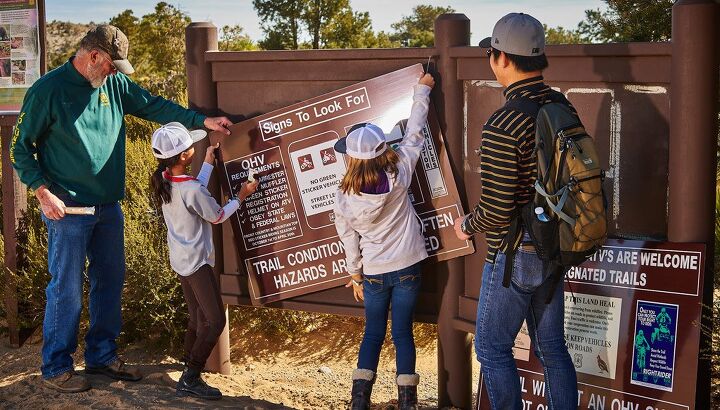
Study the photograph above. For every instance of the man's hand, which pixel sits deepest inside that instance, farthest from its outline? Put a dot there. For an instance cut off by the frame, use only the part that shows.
(357, 290)
(428, 80)
(210, 153)
(52, 207)
(218, 124)
(458, 229)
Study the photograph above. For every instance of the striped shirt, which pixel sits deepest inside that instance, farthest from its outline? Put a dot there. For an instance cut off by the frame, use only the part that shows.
(507, 167)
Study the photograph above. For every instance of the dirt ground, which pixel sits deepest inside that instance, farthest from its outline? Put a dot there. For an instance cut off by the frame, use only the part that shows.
(269, 372)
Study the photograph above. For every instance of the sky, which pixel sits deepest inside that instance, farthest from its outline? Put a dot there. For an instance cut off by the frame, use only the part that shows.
(482, 13)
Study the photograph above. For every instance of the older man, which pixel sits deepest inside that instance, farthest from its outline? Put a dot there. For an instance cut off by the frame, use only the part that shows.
(69, 147)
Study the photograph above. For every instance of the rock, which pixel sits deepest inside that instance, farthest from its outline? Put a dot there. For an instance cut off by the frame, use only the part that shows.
(325, 370)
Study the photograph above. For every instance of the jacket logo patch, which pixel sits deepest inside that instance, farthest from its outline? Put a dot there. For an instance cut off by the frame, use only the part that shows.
(104, 100)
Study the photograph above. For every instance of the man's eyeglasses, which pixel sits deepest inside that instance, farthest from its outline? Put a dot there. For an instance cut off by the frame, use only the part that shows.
(489, 51)
(112, 65)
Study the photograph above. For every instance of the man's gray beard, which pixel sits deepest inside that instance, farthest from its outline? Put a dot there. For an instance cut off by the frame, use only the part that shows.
(94, 75)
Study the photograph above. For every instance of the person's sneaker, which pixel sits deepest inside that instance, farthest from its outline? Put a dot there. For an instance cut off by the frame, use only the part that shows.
(117, 370)
(191, 384)
(68, 382)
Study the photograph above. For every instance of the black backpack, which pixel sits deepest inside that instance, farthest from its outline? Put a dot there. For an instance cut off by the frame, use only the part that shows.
(566, 219)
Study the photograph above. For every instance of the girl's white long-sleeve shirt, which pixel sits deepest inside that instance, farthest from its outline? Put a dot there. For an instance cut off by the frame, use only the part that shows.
(382, 232)
(189, 217)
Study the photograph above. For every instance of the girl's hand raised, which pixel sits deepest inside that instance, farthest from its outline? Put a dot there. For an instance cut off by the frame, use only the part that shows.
(247, 189)
(428, 80)
(210, 153)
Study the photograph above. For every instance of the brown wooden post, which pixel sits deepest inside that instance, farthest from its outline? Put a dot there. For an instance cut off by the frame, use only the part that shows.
(202, 96)
(14, 204)
(454, 361)
(693, 135)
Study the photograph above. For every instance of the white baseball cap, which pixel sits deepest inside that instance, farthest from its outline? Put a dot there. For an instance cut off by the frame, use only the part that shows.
(173, 138)
(364, 141)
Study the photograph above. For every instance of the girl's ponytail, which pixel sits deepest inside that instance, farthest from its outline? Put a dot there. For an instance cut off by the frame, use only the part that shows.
(161, 188)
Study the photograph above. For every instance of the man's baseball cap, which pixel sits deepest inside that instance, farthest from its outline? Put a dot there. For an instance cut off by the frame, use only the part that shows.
(364, 141)
(173, 138)
(519, 34)
(112, 41)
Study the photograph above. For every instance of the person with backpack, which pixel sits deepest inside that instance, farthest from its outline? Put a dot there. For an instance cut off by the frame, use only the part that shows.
(384, 244)
(536, 200)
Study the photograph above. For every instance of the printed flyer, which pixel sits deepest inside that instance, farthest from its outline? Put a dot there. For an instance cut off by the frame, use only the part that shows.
(19, 51)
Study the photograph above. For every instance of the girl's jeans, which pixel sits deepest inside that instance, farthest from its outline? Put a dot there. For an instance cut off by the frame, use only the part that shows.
(398, 289)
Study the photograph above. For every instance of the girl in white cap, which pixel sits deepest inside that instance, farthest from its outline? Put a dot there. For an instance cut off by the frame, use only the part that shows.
(189, 210)
(384, 244)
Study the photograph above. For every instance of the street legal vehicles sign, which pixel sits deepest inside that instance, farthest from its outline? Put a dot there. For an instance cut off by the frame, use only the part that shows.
(285, 232)
(632, 328)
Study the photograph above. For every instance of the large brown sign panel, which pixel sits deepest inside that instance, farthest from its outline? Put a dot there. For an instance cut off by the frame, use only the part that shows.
(632, 327)
(285, 232)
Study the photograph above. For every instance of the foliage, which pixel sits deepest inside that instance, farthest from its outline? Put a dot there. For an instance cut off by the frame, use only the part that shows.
(233, 38)
(353, 29)
(302, 24)
(418, 29)
(559, 35)
(281, 21)
(628, 20)
(157, 44)
(62, 39)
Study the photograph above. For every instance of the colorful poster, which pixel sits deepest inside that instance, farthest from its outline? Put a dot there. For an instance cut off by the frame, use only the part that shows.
(285, 232)
(19, 52)
(653, 361)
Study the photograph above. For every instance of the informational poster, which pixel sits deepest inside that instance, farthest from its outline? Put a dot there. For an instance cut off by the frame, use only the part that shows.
(654, 348)
(632, 328)
(19, 51)
(285, 232)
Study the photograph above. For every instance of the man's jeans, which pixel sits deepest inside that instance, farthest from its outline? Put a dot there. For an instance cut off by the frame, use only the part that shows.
(399, 289)
(500, 315)
(71, 240)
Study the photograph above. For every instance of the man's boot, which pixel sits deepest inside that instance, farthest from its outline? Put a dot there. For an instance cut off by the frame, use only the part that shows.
(363, 380)
(407, 391)
(191, 384)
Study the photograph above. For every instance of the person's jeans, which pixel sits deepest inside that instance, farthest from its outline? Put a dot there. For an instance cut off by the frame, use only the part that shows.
(98, 238)
(399, 289)
(500, 315)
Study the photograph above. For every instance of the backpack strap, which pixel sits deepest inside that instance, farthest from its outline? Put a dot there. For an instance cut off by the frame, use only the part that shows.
(531, 108)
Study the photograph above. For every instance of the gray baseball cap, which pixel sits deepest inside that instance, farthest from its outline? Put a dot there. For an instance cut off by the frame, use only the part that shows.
(112, 41)
(519, 34)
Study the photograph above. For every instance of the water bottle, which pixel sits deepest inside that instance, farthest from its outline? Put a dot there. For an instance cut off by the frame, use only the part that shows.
(541, 215)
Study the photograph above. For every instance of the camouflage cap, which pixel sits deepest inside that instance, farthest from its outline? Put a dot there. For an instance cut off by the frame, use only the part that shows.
(114, 42)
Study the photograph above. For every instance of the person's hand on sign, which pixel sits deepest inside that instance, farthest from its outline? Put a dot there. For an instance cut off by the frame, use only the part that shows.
(247, 189)
(458, 229)
(52, 206)
(218, 124)
(356, 281)
(210, 153)
(428, 80)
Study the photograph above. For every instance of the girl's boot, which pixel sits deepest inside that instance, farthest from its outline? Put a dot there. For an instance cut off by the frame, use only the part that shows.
(363, 380)
(407, 391)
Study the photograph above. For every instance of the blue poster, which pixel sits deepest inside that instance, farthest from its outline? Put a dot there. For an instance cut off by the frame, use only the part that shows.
(654, 345)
